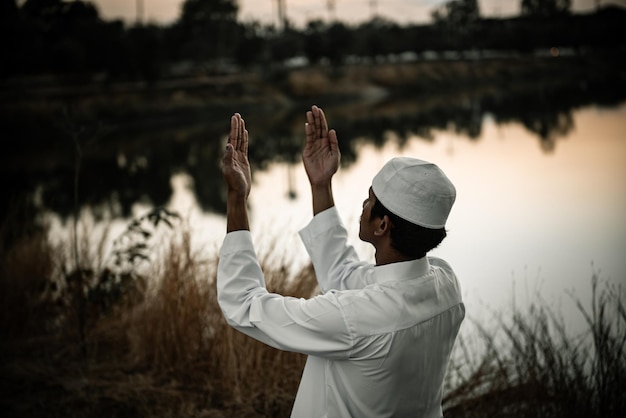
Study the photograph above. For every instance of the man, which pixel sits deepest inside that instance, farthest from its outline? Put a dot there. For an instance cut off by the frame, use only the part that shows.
(379, 337)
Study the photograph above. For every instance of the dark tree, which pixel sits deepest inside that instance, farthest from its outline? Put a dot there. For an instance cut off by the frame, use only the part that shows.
(545, 8)
(206, 29)
(251, 48)
(314, 41)
(143, 45)
(43, 9)
(458, 20)
(285, 44)
(11, 37)
(458, 12)
(378, 38)
(339, 43)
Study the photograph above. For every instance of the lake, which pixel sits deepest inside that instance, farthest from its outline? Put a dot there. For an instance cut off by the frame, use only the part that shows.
(527, 221)
(541, 199)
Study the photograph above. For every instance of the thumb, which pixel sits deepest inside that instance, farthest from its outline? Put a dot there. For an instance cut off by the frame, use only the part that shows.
(228, 155)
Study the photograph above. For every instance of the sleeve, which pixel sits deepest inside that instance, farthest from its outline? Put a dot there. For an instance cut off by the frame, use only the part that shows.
(337, 265)
(314, 326)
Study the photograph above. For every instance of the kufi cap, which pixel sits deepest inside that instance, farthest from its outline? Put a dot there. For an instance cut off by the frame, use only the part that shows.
(415, 190)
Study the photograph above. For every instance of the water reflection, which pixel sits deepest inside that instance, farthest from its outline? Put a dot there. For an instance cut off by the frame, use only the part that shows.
(123, 162)
(524, 224)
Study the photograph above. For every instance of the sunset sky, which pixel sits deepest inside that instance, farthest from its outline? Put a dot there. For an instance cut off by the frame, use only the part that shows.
(301, 11)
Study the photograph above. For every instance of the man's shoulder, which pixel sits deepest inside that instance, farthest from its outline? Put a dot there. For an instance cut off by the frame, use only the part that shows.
(439, 262)
(445, 270)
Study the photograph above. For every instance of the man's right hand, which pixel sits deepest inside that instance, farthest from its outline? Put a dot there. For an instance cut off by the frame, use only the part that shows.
(321, 154)
(235, 164)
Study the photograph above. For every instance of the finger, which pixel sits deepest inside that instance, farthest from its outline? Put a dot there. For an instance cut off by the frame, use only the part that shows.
(317, 121)
(309, 133)
(333, 142)
(242, 129)
(244, 147)
(323, 125)
(310, 119)
(237, 143)
(232, 136)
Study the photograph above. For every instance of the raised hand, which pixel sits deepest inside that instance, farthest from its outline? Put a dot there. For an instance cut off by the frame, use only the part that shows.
(321, 154)
(235, 164)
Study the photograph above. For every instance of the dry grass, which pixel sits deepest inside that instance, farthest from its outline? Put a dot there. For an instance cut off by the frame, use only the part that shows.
(162, 348)
(530, 366)
(166, 351)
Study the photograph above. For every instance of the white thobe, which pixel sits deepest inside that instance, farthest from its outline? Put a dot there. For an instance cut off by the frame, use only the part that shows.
(378, 338)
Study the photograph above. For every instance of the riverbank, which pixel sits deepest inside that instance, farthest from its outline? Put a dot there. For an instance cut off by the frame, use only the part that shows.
(38, 111)
(284, 86)
(150, 341)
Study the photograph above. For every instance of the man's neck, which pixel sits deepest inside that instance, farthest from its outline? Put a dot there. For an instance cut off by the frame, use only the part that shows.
(389, 255)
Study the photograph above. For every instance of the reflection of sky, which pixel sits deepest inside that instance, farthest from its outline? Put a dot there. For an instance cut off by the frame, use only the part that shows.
(523, 219)
(300, 11)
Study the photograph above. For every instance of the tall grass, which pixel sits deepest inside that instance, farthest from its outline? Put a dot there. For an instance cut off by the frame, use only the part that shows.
(161, 348)
(530, 366)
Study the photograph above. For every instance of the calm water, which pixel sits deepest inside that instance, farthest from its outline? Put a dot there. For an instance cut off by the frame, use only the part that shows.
(526, 221)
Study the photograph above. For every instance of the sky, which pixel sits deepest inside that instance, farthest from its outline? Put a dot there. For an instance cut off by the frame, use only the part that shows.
(301, 11)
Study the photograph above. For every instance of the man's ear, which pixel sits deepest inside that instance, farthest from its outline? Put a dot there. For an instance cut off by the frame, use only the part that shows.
(383, 227)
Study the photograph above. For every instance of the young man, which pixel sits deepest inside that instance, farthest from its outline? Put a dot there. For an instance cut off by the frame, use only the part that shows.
(379, 337)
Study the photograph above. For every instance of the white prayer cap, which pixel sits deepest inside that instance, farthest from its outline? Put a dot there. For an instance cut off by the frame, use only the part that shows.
(415, 190)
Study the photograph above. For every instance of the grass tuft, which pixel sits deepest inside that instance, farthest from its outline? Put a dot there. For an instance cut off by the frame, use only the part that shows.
(529, 365)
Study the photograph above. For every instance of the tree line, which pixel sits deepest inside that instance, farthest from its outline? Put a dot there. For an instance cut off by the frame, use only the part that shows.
(70, 37)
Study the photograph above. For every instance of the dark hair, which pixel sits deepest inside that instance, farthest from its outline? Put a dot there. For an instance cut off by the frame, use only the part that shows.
(409, 239)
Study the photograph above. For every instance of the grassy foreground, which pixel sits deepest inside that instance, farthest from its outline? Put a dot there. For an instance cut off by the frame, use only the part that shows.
(134, 329)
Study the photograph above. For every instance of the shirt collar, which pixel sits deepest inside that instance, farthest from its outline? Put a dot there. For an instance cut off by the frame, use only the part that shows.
(402, 270)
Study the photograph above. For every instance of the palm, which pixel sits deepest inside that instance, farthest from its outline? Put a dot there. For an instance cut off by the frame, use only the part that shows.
(237, 174)
(236, 167)
(321, 151)
(320, 162)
